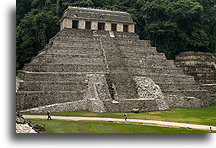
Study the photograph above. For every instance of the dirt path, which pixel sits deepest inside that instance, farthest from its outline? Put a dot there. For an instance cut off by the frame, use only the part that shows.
(157, 123)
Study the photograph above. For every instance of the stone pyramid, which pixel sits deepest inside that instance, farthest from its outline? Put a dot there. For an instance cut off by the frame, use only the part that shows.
(103, 70)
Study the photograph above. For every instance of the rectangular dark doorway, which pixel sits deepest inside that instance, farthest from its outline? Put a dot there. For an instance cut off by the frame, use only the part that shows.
(101, 26)
(75, 23)
(125, 28)
(113, 27)
(88, 25)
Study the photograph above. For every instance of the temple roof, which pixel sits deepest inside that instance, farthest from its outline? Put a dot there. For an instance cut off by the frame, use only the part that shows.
(97, 14)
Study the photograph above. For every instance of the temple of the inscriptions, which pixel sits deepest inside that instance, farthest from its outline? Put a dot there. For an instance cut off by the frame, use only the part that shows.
(97, 19)
(96, 62)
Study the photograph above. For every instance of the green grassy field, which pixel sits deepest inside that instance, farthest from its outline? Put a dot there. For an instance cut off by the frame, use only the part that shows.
(60, 126)
(203, 116)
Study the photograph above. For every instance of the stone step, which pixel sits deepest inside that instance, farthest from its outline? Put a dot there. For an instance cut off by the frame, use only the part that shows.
(126, 35)
(182, 99)
(205, 81)
(198, 63)
(180, 86)
(189, 93)
(210, 87)
(138, 49)
(168, 78)
(149, 58)
(93, 49)
(207, 71)
(72, 51)
(52, 86)
(60, 45)
(76, 41)
(79, 77)
(66, 59)
(201, 67)
(151, 63)
(64, 68)
(146, 57)
(32, 99)
(68, 38)
(193, 57)
(145, 53)
(203, 75)
(75, 53)
(142, 70)
(134, 42)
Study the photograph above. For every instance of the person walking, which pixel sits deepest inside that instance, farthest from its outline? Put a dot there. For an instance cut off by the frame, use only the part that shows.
(49, 115)
(126, 116)
(210, 129)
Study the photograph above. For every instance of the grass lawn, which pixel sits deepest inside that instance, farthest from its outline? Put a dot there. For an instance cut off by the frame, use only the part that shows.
(61, 126)
(203, 116)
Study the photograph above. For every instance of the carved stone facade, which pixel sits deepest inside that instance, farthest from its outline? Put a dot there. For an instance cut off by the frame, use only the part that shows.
(97, 19)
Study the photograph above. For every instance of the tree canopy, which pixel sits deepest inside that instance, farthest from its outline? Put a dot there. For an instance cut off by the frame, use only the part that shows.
(172, 26)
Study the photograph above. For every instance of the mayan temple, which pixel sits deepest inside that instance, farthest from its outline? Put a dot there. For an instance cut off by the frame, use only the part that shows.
(97, 62)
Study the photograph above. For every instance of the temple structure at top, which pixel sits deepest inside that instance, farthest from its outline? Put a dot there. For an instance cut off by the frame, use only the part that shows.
(97, 19)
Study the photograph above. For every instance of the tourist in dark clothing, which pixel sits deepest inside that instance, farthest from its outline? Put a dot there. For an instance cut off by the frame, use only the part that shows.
(126, 116)
(49, 115)
(210, 129)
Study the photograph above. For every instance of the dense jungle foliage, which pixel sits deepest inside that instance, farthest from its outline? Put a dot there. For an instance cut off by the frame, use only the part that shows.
(172, 26)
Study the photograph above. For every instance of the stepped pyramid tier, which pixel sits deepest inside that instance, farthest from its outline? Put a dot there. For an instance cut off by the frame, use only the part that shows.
(200, 65)
(103, 71)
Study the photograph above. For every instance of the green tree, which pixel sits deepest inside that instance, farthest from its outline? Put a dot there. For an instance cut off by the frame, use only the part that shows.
(34, 31)
(175, 26)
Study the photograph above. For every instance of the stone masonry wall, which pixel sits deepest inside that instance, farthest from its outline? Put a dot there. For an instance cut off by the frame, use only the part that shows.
(103, 72)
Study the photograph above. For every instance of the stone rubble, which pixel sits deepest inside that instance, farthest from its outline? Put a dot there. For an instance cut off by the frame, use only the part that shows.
(24, 128)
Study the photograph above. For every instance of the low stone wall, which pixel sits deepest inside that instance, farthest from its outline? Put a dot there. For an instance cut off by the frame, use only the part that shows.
(32, 99)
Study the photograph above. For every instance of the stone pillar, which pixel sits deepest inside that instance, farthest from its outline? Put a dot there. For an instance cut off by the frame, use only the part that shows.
(131, 28)
(66, 23)
(61, 26)
(81, 24)
(107, 26)
(94, 25)
(120, 27)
